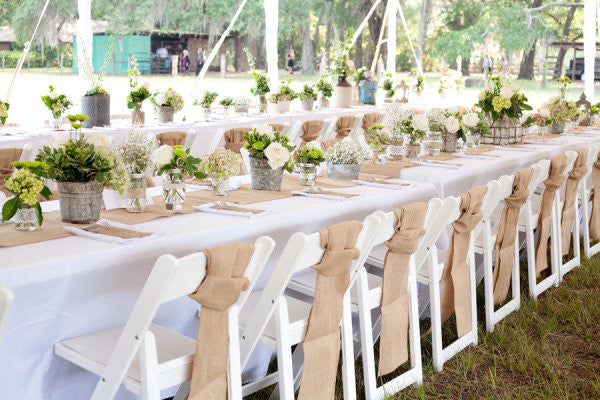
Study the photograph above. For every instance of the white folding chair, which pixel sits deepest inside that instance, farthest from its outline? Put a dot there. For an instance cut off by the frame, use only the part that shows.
(6, 300)
(147, 358)
(246, 159)
(280, 321)
(190, 138)
(200, 146)
(294, 131)
(485, 239)
(585, 195)
(329, 132)
(565, 267)
(26, 153)
(357, 129)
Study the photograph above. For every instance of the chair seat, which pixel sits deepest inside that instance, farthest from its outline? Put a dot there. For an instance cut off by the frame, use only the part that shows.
(91, 352)
(298, 312)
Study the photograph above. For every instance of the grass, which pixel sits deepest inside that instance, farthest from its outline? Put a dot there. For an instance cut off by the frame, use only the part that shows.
(549, 349)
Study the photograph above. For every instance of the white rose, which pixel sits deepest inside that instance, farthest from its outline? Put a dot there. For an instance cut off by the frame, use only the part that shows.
(99, 140)
(265, 129)
(481, 95)
(471, 119)
(451, 124)
(163, 155)
(160, 99)
(59, 140)
(146, 84)
(506, 92)
(420, 123)
(544, 112)
(277, 155)
(53, 95)
(514, 87)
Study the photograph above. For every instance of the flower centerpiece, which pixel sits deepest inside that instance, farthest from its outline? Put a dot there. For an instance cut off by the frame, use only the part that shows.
(241, 104)
(270, 154)
(174, 163)
(26, 184)
(220, 164)
(401, 121)
(57, 104)
(395, 119)
(206, 101)
(437, 118)
(367, 87)
(226, 102)
(167, 104)
(76, 121)
(378, 139)
(559, 112)
(136, 152)
(137, 95)
(419, 85)
(443, 86)
(459, 83)
(82, 169)
(308, 95)
(415, 133)
(325, 89)
(342, 67)
(4, 106)
(503, 104)
(261, 83)
(308, 157)
(343, 159)
(95, 103)
(472, 127)
(283, 97)
(388, 86)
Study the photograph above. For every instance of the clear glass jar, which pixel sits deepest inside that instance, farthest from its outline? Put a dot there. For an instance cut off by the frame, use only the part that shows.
(227, 111)
(308, 174)
(542, 131)
(135, 195)
(434, 143)
(173, 185)
(56, 121)
(473, 139)
(379, 157)
(396, 147)
(412, 148)
(26, 218)
(206, 113)
(220, 187)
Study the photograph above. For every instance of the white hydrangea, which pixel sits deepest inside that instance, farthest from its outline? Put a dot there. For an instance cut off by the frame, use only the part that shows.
(59, 140)
(146, 84)
(420, 123)
(452, 124)
(312, 145)
(265, 129)
(163, 155)
(506, 92)
(481, 95)
(160, 99)
(470, 119)
(99, 140)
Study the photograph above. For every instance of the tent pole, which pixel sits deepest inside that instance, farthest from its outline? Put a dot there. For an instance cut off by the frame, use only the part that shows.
(589, 47)
(393, 6)
(418, 64)
(379, 42)
(271, 22)
(363, 23)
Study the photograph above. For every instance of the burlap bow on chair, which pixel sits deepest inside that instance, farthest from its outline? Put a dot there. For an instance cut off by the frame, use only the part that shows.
(221, 288)
(7, 157)
(370, 119)
(507, 233)
(555, 178)
(344, 126)
(455, 278)
(575, 175)
(595, 217)
(174, 138)
(322, 341)
(393, 342)
(277, 127)
(311, 130)
(234, 138)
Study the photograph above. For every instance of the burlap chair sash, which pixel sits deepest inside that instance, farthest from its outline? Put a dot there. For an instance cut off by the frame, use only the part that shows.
(311, 130)
(455, 277)
(370, 119)
(393, 342)
(595, 216)
(234, 138)
(575, 175)
(507, 232)
(277, 127)
(322, 341)
(7, 157)
(344, 126)
(221, 288)
(174, 138)
(555, 178)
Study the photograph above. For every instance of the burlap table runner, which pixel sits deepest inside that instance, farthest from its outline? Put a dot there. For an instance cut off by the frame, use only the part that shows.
(173, 138)
(221, 288)
(154, 211)
(234, 138)
(7, 157)
(555, 179)
(52, 228)
(390, 168)
(574, 177)
(595, 217)
(455, 277)
(115, 231)
(322, 341)
(482, 149)
(311, 130)
(507, 233)
(393, 343)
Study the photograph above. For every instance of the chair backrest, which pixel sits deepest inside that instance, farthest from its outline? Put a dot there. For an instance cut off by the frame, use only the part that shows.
(171, 278)
(540, 174)
(571, 158)
(26, 153)
(294, 132)
(234, 138)
(190, 138)
(370, 119)
(594, 149)
(329, 132)
(497, 190)
(6, 300)
(357, 124)
(171, 138)
(301, 252)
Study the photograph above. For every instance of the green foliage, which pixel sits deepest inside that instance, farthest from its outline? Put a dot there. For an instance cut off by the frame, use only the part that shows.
(226, 101)
(4, 106)
(285, 92)
(257, 143)
(308, 92)
(207, 99)
(341, 65)
(261, 83)
(388, 85)
(184, 161)
(25, 184)
(419, 84)
(136, 97)
(310, 153)
(378, 138)
(324, 86)
(492, 102)
(360, 75)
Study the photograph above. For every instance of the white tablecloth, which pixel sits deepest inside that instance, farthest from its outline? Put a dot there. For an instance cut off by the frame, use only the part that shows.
(74, 286)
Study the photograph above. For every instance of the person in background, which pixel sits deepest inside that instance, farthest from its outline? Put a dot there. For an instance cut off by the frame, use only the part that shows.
(200, 63)
(487, 66)
(503, 65)
(185, 62)
(290, 61)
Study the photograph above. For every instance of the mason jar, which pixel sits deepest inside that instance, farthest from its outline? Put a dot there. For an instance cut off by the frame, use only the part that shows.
(220, 187)
(173, 185)
(308, 174)
(435, 143)
(25, 218)
(135, 194)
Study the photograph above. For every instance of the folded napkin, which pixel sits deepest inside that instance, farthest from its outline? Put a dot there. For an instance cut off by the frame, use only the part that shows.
(197, 185)
(110, 231)
(324, 194)
(524, 149)
(383, 183)
(106, 128)
(552, 142)
(436, 164)
(225, 208)
(257, 115)
(476, 156)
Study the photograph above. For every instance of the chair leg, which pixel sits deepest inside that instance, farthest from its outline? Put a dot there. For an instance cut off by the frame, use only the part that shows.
(284, 352)
(555, 241)
(436, 319)
(488, 278)
(472, 288)
(234, 371)
(530, 241)
(366, 336)
(349, 379)
(149, 368)
(414, 331)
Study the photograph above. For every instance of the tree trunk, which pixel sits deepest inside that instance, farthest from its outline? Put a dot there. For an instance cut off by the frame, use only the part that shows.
(465, 66)
(558, 67)
(240, 61)
(358, 54)
(308, 51)
(526, 69)
(374, 29)
(328, 38)
(423, 25)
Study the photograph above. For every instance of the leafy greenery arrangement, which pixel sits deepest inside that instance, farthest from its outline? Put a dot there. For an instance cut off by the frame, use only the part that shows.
(341, 65)
(360, 75)
(502, 99)
(221, 163)
(378, 138)
(170, 98)
(77, 121)
(167, 158)
(388, 85)
(443, 84)
(25, 184)
(285, 92)
(419, 84)
(88, 71)
(261, 87)
(565, 81)
(473, 122)
(207, 99)
(264, 143)
(309, 153)
(308, 92)
(139, 93)
(56, 103)
(4, 106)
(79, 161)
(324, 86)
(226, 101)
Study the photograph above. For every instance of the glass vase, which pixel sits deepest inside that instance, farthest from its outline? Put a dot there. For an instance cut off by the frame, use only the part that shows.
(56, 121)
(227, 112)
(396, 148)
(412, 148)
(473, 140)
(308, 174)
(25, 218)
(435, 143)
(135, 195)
(220, 187)
(379, 157)
(206, 113)
(173, 185)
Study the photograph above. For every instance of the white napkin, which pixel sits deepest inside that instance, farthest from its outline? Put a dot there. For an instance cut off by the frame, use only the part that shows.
(106, 128)
(474, 156)
(524, 149)
(313, 192)
(550, 142)
(208, 208)
(233, 185)
(436, 165)
(400, 184)
(106, 238)
(50, 206)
